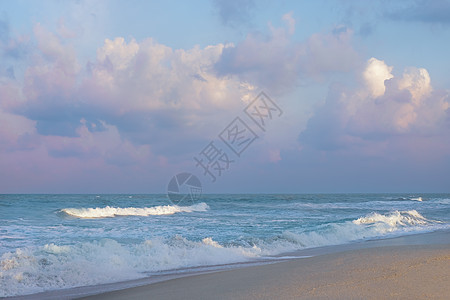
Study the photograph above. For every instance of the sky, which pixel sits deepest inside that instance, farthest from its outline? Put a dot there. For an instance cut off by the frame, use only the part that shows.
(249, 96)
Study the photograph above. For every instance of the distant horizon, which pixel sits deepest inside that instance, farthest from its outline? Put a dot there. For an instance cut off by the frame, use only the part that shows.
(205, 194)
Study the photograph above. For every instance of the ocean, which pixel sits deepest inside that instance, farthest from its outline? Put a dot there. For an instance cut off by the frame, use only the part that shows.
(50, 242)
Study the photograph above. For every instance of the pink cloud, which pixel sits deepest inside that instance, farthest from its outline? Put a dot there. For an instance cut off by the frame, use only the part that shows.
(387, 115)
(129, 113)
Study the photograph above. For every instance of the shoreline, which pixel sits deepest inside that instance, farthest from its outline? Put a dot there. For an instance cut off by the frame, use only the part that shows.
(391, 272)
(409, 267)
(437, 241)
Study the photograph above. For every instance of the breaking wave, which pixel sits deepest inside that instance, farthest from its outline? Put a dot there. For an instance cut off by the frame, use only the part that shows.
(110, 212)
(417, 199)
(35, 269)
(395, 219)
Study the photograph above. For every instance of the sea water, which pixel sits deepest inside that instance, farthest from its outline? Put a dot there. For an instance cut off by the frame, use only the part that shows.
(50, 242)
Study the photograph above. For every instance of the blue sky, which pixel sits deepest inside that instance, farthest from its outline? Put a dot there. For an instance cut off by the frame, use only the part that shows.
(119, 96)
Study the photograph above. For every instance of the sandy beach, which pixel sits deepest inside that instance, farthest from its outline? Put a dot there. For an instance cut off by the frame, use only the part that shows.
(413, 267)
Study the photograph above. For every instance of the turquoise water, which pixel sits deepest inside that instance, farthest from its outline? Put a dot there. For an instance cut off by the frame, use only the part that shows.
(59, 241)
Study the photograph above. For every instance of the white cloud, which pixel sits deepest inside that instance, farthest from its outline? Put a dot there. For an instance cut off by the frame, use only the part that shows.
(148, 76)
(146, 93)
(117, 52)
(375, 74)
(384, 108)
(395, 104)
(417, 82)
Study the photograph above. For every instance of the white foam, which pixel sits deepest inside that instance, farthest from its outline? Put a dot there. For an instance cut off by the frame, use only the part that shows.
(109, 212)
(370, 226)
(417, 199)
(33, 270)
(52, 266)
(394, 219)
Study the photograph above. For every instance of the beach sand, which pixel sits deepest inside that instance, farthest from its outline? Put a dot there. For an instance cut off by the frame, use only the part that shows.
(414, 267)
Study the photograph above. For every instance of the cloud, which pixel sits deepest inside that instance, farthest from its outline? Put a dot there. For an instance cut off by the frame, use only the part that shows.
(375, 74)
(64, 31)
(277, 62)
(433, 12)
(11, 48)
(156, 94)
(107, 144)
(366, 29)
(14, 129)
(151, 98)
(144, 103)
(4, 31)
(290, 21)
(140, 95)
(15, 132)
(234, 12)
(392, 131)
(382, 109)
(139, 109)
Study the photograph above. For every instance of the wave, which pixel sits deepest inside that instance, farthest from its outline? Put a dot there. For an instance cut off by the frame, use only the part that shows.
(110, 212)
(441, 200)
(395, 219)
(393, 201)
(416, 199)
(372, 225)
(35, 269)
(409, 198)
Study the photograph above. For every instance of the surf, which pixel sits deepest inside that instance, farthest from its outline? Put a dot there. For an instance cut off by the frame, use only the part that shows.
(111, 212)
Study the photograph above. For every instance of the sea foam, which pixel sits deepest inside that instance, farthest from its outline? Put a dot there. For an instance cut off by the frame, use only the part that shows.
(417, 199)
(52, 266)
(109, 212)
(394, 219)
